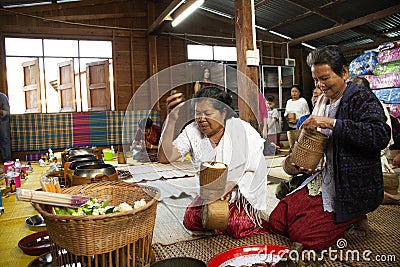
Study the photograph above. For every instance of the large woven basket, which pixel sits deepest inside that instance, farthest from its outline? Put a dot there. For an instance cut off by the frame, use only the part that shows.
(313, 140)
(212, 180)
(215, 215)
(303, 157)
(102, 234)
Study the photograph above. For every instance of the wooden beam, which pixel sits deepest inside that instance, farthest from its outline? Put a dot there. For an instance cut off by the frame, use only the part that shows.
(163, 16)
(352, 24)
(247, 88)
(304, 15)
(318, 11)
(98, 16)
(63, 6)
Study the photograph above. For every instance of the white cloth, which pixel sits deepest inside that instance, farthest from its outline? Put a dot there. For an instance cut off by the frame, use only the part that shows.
(300, 107)
(240, 148)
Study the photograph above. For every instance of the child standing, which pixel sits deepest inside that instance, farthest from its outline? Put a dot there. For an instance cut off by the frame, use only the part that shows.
(274, 128)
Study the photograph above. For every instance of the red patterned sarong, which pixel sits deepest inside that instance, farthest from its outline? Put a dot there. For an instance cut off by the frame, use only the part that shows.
(239, 223)
(301, 217)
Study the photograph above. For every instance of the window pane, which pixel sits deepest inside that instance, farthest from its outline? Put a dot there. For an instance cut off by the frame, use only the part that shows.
(225, 53)
(63, 48)
(95, 49)
(200, 52)
(23, 47)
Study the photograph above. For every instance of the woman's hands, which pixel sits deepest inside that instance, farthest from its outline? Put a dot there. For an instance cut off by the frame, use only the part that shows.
(313, 122)
(174, 101)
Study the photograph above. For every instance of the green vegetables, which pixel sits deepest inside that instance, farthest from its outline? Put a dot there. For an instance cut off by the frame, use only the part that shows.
(98, 207)
(92, 207)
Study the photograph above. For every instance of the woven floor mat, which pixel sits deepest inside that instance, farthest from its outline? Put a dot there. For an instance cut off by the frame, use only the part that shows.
(383, 242)
(204, 249)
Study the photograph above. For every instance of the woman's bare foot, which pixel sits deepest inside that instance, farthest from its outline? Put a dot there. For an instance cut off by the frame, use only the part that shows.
(390, 199)
(359, 228)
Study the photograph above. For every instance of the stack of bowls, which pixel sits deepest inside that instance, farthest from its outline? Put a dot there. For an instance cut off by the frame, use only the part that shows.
(94, 173)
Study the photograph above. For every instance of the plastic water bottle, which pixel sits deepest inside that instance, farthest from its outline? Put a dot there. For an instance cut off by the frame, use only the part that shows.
(17, 166)
(9, 176)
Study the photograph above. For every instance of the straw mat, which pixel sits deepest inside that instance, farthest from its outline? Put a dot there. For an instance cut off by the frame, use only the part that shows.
(382, 241)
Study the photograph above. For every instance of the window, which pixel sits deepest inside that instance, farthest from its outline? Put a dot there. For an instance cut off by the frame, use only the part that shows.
(49, 75)
(206, 52)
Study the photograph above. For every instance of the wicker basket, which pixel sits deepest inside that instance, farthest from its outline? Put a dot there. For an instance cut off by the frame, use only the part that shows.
(391, 182)
(303, 157)
(215, 215)
(313, 140)
(105, 234)
(288, 167)
(291, 118)
(212, 181)
(292, 137)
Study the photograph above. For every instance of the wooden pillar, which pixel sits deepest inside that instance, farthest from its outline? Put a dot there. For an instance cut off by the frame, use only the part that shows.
(245, 40)
(153, 68)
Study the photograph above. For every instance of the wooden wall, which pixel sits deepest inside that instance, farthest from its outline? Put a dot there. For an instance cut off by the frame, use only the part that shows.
(125, 23)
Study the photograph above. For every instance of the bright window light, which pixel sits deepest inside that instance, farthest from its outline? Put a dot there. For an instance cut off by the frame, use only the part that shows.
(95, 49)
(200, 52)
(224, 53)
(23, 47)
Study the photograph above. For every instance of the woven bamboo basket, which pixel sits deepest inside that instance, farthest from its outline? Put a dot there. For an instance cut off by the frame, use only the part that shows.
(212, 180)
(215, 215)
(391, 183)
(104, 236)
(292, 137)
(291, 117)
(313, 140)
(288, 167)
(303, 157)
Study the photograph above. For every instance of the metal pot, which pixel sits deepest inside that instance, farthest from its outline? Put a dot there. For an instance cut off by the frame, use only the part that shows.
(179, 261)
(82, 157)
(93, 173)
(81, 150)
(76, 163)
(90, 171)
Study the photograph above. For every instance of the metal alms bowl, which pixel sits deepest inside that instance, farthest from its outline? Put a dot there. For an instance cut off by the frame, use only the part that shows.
(76, 163)
(81, 150)
(90, 171)
(82, 157)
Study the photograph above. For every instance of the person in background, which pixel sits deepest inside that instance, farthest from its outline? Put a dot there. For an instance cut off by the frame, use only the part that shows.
(205, 80)
(316, 93)
(217, 135)
(274, 128)
(5, 135)
(350, 182)
(296, 107)
(388, 198)
(147, 136)
(263, 115)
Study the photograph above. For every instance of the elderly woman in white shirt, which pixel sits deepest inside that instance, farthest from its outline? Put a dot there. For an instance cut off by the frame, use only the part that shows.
(296, 105)
(216, 135)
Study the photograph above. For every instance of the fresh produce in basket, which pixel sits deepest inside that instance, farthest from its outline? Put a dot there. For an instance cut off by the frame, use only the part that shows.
(98, 207)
